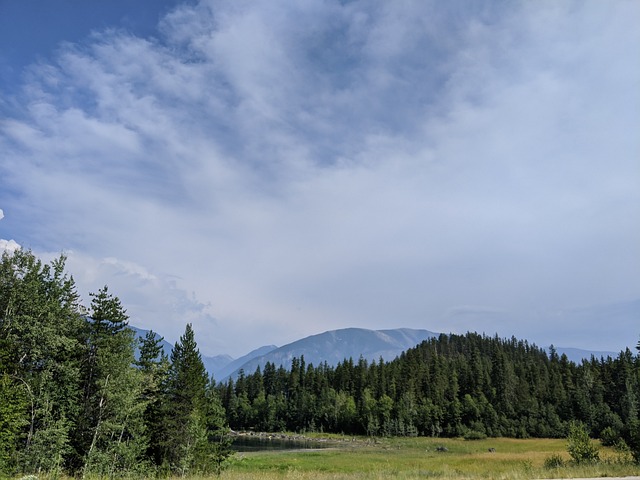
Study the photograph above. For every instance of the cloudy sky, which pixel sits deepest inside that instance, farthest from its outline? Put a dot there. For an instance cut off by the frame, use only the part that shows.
(274, 169)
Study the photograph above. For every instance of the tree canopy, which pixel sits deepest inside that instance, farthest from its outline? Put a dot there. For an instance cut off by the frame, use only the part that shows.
(73, 397)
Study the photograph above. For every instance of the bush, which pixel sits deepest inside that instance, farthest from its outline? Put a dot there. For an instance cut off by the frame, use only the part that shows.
(554, 461)
(474, 435)
(609, 437)
(580, 447)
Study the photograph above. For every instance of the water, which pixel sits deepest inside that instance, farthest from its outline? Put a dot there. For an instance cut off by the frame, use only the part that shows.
(246, 443)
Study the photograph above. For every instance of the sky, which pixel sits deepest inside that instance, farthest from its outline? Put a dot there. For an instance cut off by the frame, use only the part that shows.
(268, 170)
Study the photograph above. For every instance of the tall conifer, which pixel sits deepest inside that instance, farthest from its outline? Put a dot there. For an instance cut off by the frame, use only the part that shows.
(111, 435)
(195, 412)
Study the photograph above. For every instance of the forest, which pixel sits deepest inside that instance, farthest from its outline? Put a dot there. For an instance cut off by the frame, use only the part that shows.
(74, 396)
(468, 386)
(80, 395)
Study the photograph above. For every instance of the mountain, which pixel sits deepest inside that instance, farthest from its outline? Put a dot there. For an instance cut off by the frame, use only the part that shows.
(576, 355)
(220, 366)
(234, 365)
(336, 345)
(140, 334)
(214, 365)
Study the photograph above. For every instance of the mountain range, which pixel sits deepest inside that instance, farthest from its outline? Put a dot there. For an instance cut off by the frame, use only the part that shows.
(334, 346)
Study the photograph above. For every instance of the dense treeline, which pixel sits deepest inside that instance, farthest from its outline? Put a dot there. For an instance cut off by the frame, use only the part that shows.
(73, 398)
(453, 385)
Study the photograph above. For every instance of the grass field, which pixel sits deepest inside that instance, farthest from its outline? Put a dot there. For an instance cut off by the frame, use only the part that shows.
(418, 458)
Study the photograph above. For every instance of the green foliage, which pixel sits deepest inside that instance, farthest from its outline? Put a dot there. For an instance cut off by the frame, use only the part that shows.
(633, 439)
(193, 413)
(110, 437)
(74, 399)
(580, 446)
(154, 366)
(40, 325)
(609, 437)
(474, 435)
(446, 386)
(554, 461)
(13, 416)
(217, 449)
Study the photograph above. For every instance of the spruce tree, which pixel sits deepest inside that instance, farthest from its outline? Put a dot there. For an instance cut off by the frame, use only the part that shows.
(195, 414)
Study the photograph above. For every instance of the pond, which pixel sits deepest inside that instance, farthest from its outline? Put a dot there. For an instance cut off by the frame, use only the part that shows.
(257, 443)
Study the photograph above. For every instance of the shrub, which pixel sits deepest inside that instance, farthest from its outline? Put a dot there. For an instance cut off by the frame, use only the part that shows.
(474, 435)
(609, 437)
(633, 439)
(554, 461)
(580, 447)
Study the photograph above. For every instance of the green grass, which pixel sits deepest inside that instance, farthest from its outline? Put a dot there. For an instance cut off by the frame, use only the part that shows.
(415, 458)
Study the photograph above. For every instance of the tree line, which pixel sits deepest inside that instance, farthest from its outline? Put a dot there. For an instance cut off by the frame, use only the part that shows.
(452, 385)
(79, 394)
(75, 399)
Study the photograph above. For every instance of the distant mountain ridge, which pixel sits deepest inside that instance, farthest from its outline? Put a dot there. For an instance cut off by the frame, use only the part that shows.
(141, 334)
(236, 364)
(576, 355)
(218, 365)
(334, 346)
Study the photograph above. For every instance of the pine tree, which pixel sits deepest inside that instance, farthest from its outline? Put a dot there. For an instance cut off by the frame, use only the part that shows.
(112, 434)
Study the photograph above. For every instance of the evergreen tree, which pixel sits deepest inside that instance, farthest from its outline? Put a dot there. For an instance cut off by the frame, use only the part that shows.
(111, 436)
(218, 448)
(580, 447)
(195, 414)
(154, 368)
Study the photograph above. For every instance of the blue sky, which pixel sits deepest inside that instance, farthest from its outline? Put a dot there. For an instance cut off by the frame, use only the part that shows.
(271, 170)
(32, 31)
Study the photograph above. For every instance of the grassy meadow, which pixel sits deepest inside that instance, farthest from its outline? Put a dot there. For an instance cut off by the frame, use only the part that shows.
(352, 458)
(413, 458)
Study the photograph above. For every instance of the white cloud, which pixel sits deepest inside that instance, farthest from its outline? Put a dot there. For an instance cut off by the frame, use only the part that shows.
(152, 300)
(272, 170)
(7, 245)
